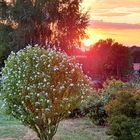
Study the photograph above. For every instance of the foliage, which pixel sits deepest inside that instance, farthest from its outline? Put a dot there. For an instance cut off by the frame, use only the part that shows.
(124, 114)
(107, 59)
(134, 81)
(95, 105)
(5, 42)
(40, 87)
(135, 52)
(41, 21)
(110, 87)
(94, 109)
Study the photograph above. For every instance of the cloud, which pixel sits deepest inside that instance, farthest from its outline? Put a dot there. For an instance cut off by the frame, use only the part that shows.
(110, 25)
(127, 11)
(112, 14)
(109, 4)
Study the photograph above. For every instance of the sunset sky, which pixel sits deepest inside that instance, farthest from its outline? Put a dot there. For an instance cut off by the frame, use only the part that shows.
(117, 19)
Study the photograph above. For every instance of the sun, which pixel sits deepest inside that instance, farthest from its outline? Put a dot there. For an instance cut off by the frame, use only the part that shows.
(87, 42)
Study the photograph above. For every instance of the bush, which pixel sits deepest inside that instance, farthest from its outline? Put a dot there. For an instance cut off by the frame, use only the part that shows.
(124, 114)
(40, 87)
(94, 107)
(134, 81)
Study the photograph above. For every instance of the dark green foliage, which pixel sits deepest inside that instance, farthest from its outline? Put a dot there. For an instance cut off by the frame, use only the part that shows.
(58, 22)
(96, 112)
(124, 114)
(5, 42)
(120, 127)
(95, 105)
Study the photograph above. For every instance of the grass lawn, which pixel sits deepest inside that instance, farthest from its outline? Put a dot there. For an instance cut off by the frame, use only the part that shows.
(71, 129)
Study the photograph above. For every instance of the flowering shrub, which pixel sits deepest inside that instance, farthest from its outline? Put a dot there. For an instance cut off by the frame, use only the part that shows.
(40, 87)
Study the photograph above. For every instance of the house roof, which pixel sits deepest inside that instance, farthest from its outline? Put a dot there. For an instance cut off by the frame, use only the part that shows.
(136, 66)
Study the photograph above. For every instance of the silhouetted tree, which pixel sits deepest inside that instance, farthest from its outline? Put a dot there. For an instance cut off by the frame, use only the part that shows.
(56, 22)
(135, 51)
(108, 58)
(60, 22)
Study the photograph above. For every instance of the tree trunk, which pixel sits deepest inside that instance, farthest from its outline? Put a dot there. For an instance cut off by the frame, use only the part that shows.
(45, 136)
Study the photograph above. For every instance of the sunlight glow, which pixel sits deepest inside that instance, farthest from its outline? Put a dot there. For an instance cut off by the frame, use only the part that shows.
(87, 42)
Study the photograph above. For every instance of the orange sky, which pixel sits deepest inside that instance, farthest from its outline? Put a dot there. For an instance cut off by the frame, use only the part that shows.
(117, 19)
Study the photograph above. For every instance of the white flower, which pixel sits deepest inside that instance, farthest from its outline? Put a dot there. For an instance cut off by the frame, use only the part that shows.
(65, 99)
(69, 112)
(36, 65)
(82, 97)
(54, 89)
(29, 46)
(45, 80)
(49, 120)
(36, 45)
(83, 93)
(71, 85)
(62, 87)
(47, 109)
(72, 70)
(43, 55)
(48, 101)
(37, 103)
(27, 96)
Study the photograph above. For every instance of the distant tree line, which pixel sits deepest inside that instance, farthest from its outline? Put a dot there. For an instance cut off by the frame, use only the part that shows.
(107, 59)
(135, 52)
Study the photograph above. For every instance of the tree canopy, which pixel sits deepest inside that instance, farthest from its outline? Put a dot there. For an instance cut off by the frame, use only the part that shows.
(60, 22)
(108, 58)
(54, 22)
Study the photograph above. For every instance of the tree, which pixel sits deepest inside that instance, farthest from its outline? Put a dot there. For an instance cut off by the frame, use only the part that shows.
(124, 114)
(5, 42)
(109, 58)
(41, 87)
(60, 22)
(135, 51)
(120, 60)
